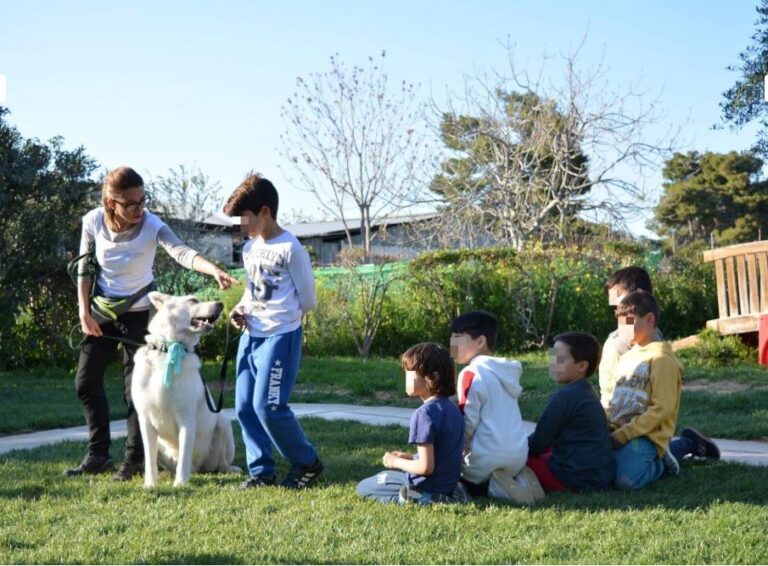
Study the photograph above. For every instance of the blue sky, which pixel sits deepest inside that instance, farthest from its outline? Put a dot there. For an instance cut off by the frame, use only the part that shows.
(158, 84)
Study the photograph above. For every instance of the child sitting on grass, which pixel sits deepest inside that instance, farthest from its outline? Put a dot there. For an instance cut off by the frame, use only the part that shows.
(437, 429)
(495, 443)
(691, 442)
(570, 450)
(646, 398)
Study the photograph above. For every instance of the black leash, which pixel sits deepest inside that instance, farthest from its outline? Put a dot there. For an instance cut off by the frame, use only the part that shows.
(77, 327)
(222, 373)
(105, 309)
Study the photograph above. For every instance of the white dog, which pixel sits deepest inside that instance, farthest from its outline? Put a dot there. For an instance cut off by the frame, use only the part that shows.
(177, 428)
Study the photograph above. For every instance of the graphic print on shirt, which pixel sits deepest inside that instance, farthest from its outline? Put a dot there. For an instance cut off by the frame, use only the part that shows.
(630, 397)
(266, 273)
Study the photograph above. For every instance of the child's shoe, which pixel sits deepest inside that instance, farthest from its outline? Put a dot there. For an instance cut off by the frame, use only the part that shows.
(258, 481)
(703, 446)
(302, 478)
(409, 496)
(671, 465)
(524, 488)
(460, 494)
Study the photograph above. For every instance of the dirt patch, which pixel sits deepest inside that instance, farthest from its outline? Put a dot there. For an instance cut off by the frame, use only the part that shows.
(387, 396)
(684, 343)
(719, 387)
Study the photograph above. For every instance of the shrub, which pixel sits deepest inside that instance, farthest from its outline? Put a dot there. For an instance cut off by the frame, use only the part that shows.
(686, 291)
(714, 350)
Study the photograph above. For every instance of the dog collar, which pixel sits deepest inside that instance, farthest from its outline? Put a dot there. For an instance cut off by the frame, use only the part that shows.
(164, 347)
(174, 356)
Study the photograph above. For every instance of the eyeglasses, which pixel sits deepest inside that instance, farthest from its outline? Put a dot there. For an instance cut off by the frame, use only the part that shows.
(133, 206)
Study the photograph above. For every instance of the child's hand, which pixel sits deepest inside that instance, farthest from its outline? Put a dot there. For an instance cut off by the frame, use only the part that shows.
(389, 460)
(404, 455)
(237, 316)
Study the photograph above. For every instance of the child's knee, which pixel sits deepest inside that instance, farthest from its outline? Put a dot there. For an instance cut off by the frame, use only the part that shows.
(627, 483)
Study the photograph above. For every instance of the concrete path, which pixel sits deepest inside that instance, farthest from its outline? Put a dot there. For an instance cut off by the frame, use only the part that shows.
(747, 452)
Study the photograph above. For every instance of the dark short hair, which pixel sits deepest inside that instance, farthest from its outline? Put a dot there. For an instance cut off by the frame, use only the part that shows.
(584, 348)
(639, 303)
(433, 362)
(252, 194)
(632, 278)
(477, 323)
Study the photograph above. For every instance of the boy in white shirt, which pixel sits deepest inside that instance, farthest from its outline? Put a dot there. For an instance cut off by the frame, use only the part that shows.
(495, 441)
(280, 288)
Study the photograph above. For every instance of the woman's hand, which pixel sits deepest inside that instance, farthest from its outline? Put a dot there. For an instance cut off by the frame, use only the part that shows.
(89, 325)
(224, 279)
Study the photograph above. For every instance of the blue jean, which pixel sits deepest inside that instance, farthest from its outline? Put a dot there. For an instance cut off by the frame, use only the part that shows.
(637, 464)
(384, 486)
(266, 374)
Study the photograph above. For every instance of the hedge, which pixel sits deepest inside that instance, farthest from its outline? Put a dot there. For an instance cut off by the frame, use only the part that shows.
(437, 286)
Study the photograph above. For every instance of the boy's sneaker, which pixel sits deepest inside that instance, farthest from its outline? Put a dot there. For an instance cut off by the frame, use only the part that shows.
(460, 494)
(258, 481)
(301, 478)
(410, 496)
(128, 469)
(523, 488)
(671, 465)
(90, 465)
(703, 446)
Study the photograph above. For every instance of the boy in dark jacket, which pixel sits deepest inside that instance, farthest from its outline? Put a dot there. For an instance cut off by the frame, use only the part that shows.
(570, 450)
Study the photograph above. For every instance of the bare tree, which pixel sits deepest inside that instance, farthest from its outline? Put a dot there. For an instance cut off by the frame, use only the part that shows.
(354, 142)
(526, 156)
(363, 291)
(185, 198)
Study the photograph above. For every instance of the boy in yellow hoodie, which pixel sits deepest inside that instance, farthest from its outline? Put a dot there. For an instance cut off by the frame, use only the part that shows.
(645, 402)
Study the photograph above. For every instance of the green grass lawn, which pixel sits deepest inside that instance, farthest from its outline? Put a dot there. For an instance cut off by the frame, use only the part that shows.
(45, 398)
(712, 513)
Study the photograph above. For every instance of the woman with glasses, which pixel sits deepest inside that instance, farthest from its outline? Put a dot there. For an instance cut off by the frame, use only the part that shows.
(125, 237)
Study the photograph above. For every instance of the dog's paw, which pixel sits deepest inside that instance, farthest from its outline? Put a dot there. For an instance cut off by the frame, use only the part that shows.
(234, 470)
(150, 484)
(180, 483)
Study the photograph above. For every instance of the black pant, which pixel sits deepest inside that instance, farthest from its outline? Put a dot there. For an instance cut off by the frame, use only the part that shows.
(95, 355)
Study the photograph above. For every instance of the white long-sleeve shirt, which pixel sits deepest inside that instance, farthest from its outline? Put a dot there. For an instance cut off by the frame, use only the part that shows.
(126, 259)
(280, 286)
(494, 436)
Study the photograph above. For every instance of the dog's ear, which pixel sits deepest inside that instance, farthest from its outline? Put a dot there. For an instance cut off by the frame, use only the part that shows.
(157, 299)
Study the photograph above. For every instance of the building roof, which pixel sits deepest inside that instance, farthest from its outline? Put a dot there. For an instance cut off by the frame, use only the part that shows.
(326, 227)
(221, 219)
(336, 227)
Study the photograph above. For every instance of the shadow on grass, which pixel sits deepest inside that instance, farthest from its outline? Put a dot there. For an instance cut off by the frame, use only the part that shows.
(352, 451)
(205, 558)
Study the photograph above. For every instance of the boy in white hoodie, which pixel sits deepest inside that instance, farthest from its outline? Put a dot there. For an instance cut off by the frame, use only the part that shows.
(495, 442)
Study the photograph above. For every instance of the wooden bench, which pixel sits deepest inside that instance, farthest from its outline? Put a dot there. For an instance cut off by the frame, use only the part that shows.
(741, 272)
